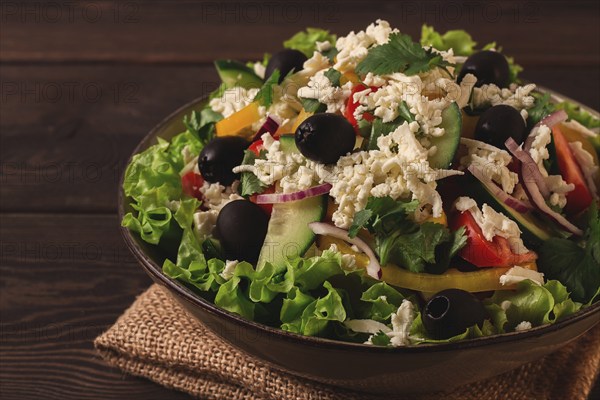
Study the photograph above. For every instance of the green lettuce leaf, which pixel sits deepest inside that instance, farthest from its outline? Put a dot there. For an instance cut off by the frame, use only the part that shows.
(305, 41)
(530, 302)
(578, 114)
(419, 335)
(382, 301)
(200, 130)
(459, 40)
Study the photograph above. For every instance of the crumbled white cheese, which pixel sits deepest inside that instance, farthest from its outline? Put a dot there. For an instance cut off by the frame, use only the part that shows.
(523, 326)
(204, 223)
(518, 274)
(354, 47)
(518, 97)
(229, 269)
(366, 326)
(399, 168)
(401, 323)
(232, 100)
(259, 69)
(320, 88)
(402, 320)
(348, 260)
(493, 223)
(586, 163)
(539, 153)
(322, 46)
(492, 161)
(214, 198)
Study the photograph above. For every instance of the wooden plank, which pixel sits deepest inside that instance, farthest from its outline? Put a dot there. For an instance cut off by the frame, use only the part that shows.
(68, 131)
(64, 279)
(67, 155)
(134, 31)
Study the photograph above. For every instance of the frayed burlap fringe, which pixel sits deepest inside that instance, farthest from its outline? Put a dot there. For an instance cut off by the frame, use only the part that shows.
(156, 339)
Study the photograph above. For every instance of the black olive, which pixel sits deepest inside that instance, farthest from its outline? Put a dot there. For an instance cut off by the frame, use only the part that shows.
(241, 228)
(450, 312)
(325, 137)
(219, 157)
(488, 66)
(498, 123)
(285, 61)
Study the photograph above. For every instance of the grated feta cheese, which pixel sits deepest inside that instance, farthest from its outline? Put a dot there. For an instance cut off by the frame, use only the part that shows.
(489, 95)
(492, 161)
(493, 223)
(353, 48)
(523, 326)
(320, 88)
(229, 269)
(539, 153)
(232, 100)
(518, 274)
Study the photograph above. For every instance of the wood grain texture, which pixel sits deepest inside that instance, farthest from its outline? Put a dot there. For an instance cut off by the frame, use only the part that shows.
(65, 279)
(82, 82)
(136, 31)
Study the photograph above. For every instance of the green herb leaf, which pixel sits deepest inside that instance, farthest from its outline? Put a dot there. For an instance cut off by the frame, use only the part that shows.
(577, 266)
(265, 95)
(381, 339)
(312, 105)
(334, 76)
(400, 54)
(249, 183)
(306, 41)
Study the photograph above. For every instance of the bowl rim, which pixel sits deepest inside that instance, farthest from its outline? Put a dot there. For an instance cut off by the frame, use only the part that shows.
(187, 294)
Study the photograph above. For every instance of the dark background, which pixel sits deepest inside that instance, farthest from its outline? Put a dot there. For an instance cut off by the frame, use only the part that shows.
(83, 82)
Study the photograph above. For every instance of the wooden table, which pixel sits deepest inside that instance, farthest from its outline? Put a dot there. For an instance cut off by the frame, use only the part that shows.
(83, 82)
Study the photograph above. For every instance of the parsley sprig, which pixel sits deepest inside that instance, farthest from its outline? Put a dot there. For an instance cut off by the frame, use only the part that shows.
(401, 54)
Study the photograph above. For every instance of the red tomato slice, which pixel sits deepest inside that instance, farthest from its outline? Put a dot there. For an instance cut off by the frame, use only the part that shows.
(351, 105)
(579, 198)
(268, 208)
(191, 184)
(256, 147)
(481, 252)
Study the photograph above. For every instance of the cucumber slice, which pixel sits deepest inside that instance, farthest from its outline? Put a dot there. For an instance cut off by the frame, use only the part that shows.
(534, 230)
(288, 234)
(288, 144)
(234, 73)
(447, 144)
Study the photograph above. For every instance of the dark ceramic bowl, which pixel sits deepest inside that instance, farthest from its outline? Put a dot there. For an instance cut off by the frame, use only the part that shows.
(423, 368)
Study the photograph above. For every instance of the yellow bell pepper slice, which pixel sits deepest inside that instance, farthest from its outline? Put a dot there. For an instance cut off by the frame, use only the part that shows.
(442, 219)
(236, 122)
(349, 76)
(486, 279)
(300, 118)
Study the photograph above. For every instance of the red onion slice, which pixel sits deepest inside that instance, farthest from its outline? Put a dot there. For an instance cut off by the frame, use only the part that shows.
(554, 118)
(534, 176)
(321, 228)
(512, 202)
(270, 125)
(272, 198)
(536, 197)
(549, 120)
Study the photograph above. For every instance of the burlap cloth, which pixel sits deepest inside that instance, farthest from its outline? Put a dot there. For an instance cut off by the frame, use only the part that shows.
(156, 339)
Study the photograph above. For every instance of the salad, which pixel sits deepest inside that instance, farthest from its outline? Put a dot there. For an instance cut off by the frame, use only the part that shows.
(375, 189)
